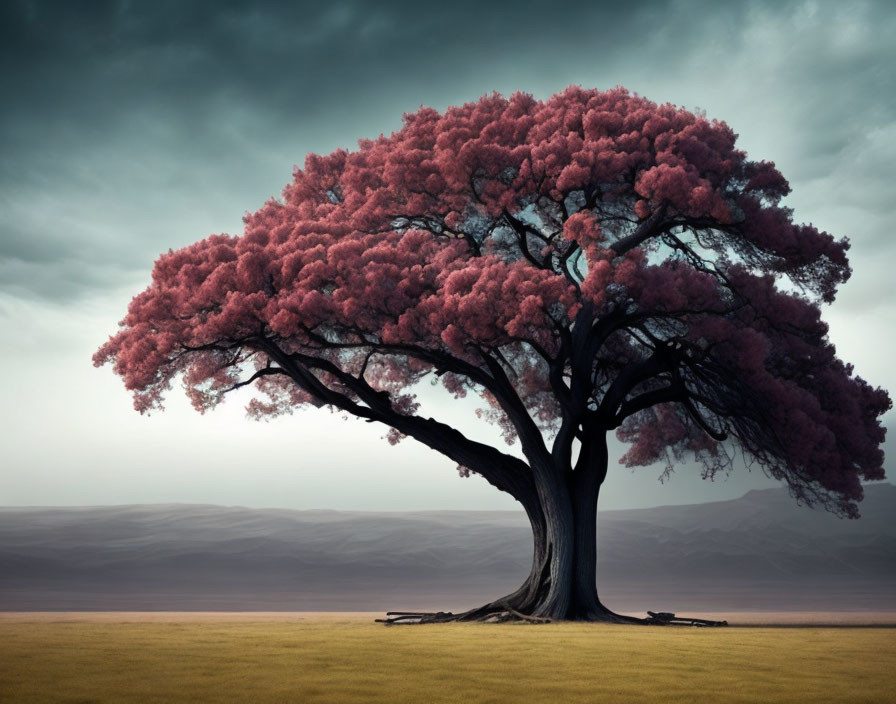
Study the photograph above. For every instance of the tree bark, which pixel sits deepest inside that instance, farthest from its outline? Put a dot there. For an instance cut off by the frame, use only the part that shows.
(570, 545)
(586, 480)
(562, 513)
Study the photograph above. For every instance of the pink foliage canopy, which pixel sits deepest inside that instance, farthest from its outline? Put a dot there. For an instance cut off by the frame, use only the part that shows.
(589, 262)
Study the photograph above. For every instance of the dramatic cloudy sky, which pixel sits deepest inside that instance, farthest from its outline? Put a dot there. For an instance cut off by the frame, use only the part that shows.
(129, 128)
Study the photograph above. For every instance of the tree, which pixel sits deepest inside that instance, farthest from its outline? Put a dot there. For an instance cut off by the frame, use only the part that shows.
(591, 263)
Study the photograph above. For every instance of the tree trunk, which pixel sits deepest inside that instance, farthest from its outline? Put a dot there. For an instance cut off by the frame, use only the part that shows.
(589, 475)
(562, 581)
(573, 579)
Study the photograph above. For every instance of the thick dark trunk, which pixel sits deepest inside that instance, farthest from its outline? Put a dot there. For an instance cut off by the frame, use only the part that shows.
(589, 475)
(561, 583)
(575, 577)
(559, 556)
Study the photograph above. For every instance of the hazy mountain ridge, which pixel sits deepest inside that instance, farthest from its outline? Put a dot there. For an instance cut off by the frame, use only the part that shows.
(754, 552)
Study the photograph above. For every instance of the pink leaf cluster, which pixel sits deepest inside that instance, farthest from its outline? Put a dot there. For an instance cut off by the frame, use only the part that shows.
(470, 244)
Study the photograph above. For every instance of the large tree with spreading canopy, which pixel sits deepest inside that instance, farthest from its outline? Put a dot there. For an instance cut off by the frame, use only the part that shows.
(590, 263)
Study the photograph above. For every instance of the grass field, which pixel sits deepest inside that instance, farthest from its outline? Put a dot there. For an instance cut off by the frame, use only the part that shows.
(309, 658)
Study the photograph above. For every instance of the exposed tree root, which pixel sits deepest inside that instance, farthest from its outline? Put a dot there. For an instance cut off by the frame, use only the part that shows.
(665, 618)
(403, 617)
(503, 613)
(490, 613)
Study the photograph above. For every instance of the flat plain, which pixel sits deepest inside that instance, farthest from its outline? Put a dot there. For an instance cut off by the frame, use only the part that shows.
(346, 657)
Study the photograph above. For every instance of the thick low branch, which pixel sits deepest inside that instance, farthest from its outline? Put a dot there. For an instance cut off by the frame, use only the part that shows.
(505, 472)
(493, 379)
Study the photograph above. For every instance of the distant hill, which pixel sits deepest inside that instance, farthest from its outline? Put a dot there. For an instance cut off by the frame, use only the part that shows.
(757, 552)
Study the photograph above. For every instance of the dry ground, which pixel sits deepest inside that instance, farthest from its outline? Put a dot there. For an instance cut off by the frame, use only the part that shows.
(301, 657)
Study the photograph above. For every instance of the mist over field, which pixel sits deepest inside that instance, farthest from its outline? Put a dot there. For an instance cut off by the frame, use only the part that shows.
(759, 552)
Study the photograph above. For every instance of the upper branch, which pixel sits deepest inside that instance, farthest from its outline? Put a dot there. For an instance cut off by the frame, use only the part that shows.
(631, 376)
(671, 393)
(264, 371)
(650, 227)
(523, 231)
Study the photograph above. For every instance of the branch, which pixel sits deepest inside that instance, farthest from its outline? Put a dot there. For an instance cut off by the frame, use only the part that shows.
(558, 367)
(503, 471)
(563, 264)
(663, 360)
(580, 358)
(311, 384)
(266, 371)
(495, 382)
(435, 226)
(630, 377)
(530, 436)
(522, 230)
(650, 227)
(718, 435)
(666, 394)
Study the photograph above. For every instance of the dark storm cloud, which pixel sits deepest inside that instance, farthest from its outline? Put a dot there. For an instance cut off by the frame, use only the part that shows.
(83, 69)
(133, 127)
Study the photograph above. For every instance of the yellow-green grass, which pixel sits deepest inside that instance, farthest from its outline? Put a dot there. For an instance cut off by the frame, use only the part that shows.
(347, 658)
